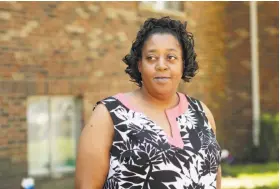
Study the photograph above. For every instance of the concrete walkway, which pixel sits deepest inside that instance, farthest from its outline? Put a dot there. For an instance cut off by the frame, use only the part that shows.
(232, 183)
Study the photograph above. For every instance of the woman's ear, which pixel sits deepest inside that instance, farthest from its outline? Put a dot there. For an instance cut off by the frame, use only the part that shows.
(183, 68)
(139, 64)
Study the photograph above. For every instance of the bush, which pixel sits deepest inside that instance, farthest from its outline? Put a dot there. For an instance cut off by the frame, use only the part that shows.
(268, 150)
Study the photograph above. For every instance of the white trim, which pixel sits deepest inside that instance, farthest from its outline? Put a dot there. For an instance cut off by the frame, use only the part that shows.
(39, 172)
(255, 71)
(142, 6)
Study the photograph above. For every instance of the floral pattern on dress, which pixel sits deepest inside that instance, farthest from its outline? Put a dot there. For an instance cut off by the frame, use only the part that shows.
(142, 157)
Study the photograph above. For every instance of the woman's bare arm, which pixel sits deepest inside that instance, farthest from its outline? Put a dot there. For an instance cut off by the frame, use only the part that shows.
(93, 157)
(213, 125)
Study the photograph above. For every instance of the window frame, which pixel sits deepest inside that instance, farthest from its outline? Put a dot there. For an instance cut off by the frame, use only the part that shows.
(51, 169)
(143, 6)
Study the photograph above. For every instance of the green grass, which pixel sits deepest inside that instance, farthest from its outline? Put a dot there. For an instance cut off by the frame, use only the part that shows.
(272, 186)
(235, 170)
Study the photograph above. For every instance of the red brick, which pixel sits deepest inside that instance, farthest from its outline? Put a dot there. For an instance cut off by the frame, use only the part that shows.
(3, 141)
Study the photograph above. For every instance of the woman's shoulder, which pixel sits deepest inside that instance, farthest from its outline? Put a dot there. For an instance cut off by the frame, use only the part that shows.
(111, 101)
(107, 99)
(201, 106)
(192, 97)
(115, 96)
(193, 100)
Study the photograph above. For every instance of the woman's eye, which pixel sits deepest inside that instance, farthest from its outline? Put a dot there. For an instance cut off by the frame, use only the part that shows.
(151, 58)
(171, 57)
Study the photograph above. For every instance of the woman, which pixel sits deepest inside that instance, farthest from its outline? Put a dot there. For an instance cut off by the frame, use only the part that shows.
(153, 137)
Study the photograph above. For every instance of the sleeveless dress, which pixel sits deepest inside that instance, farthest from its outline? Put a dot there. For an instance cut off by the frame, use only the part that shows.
(143, 156)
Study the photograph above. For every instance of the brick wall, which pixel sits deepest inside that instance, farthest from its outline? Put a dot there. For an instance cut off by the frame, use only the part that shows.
(269, 56)
(13, 138)
(238, 107)
(60, 48)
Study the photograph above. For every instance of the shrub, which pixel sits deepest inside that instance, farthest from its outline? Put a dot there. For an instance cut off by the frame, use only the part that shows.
(268, 150)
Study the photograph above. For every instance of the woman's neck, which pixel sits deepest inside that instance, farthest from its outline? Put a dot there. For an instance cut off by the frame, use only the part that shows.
(160, 102)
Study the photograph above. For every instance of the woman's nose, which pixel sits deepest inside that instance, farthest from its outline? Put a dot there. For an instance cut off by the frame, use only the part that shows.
(161, 64)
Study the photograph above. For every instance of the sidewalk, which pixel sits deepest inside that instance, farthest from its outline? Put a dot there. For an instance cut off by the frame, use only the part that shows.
(232, 183)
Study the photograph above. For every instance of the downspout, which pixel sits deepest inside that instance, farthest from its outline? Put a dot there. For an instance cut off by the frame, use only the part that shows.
(255, 72)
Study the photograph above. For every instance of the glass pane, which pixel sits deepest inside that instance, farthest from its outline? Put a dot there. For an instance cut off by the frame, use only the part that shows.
(65, 121)
(38, 135)
(174, 5)
(157, 5)
(161, 5)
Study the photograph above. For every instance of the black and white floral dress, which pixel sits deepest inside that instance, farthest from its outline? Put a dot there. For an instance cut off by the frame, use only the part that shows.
(144, 156)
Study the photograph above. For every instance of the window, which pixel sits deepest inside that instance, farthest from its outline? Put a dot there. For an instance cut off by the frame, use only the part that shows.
(54, 125)
(164, 5)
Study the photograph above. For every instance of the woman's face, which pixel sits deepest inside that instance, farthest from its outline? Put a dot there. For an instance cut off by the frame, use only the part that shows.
(161, 65)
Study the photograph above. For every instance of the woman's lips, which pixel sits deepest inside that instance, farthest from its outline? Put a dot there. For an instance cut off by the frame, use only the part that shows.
(161, 79)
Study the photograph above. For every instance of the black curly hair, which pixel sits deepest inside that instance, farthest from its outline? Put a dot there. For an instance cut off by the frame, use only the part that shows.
(162, 25)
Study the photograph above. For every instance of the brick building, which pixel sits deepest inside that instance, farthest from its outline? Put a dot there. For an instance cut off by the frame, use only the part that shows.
(55, 60)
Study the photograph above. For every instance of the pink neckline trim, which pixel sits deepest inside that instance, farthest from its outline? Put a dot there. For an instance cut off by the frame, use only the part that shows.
(171, 114)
